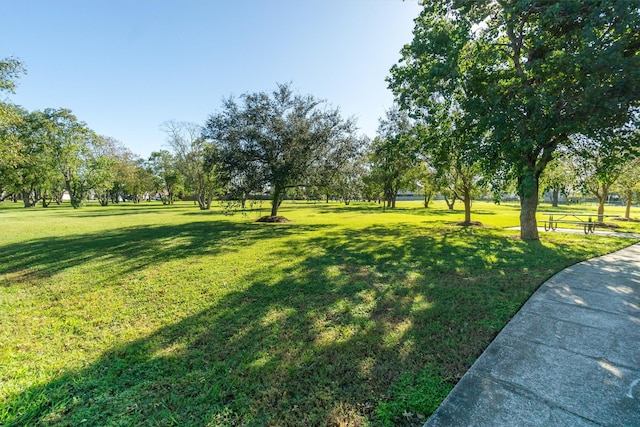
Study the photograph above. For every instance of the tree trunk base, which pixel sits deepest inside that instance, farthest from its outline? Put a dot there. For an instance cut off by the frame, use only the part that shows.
(270, 218)
(469, 223)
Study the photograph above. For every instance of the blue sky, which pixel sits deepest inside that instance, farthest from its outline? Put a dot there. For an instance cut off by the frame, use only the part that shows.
(126, 66)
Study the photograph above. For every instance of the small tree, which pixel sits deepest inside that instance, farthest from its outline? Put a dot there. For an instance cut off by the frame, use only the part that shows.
(461, 182)
(628, 185)
(196, 159)
(372, 189)
(142, 183)
(599, 163)
(340, 171)
(393, 154)
(347, 182)
(558, 177)
(164, 166)
(424, 181)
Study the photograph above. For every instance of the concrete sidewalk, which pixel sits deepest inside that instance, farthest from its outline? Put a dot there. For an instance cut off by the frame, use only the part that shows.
(570, 356)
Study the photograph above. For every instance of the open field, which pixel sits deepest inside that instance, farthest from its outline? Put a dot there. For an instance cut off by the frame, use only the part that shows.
(156, 315)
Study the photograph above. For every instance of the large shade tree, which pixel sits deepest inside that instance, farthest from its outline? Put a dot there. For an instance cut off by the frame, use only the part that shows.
(70, 141)
(533, 73)
(34, 174)
(276, 141)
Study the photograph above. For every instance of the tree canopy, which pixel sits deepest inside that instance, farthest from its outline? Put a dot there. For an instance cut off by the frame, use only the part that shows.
(526, 75)
(11, 116)
(10, 70)
(275, 141)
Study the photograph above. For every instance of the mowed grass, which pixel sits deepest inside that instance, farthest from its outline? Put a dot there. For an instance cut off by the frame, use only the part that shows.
(349, 315)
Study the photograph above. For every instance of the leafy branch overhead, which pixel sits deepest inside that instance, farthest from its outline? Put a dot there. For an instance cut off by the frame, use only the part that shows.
(524, 77)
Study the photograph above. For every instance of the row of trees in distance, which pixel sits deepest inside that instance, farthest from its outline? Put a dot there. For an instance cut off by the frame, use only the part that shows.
(258, 144)
(506, 85)
(490, 94)
(279, 142)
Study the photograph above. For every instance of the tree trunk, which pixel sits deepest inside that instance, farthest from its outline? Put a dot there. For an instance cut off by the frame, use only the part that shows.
(204, 200)
(427, 198)
(627, 211)
(554, 198)
(26, 199)
(467, 205)
(104, 198)
(75, 198)
(209, 199)
(275, 202)
(528, 192)
(200, 199)
(528, 222)
(451, 203)
(601, 209)
(601, 201)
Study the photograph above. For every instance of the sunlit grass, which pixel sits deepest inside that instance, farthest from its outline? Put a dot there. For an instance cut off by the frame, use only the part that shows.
(349, 315)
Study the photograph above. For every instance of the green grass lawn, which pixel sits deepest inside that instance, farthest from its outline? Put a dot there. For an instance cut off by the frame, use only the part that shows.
(156, 315)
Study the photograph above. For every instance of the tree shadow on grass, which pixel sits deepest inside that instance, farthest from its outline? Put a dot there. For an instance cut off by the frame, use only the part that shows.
(93, 210)
(321, 345)
(132, 248)
(125, 209)
(429, 214)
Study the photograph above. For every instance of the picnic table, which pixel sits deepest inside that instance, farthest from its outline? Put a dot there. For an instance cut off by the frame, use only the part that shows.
(587, 220)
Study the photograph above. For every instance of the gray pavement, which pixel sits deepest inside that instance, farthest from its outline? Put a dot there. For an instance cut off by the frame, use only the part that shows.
(570, 356)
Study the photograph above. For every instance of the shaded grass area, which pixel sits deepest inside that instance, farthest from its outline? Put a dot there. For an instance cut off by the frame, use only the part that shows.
(175, 317)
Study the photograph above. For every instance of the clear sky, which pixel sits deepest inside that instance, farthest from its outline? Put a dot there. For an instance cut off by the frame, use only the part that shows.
(126, 66)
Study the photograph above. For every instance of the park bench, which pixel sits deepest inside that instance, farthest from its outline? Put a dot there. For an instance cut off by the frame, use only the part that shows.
(587, 221)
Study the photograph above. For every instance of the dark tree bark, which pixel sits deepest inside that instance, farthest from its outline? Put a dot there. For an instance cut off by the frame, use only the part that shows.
(275, 201)
(554, 198)
(529, 208)
(467, 205)
(450, 203)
